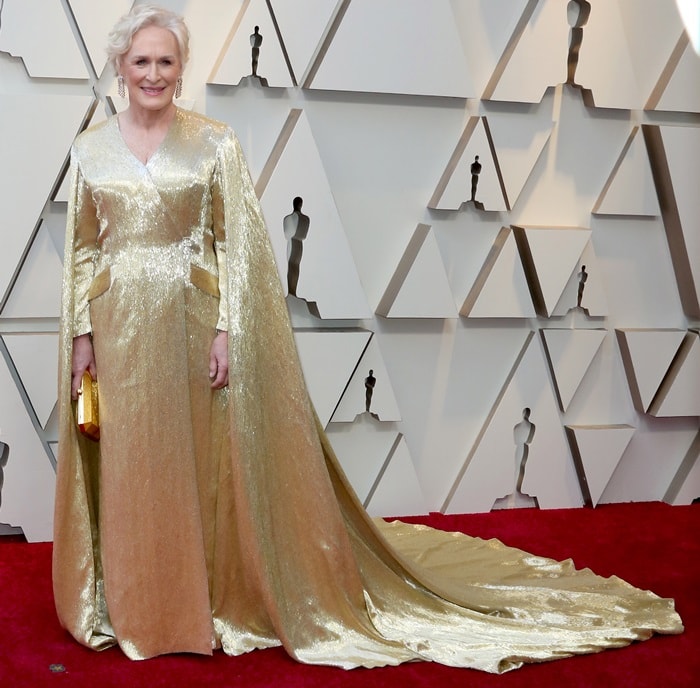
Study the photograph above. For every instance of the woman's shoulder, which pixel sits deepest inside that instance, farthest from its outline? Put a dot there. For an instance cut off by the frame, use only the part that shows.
(94, 133)
(205, 126)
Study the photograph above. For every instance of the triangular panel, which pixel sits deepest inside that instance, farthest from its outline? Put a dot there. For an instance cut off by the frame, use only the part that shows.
(459, 185)
(647, 356)
(37, 290)
(35, 357)
(630, 188)
(490, 470)
(29, 26)
(362, 448)
(328, 359)
(677, 97)
(21, 203)
(398, 492)
(535, 57)
(570, 354)
(600, 448)
(685, 486)
(679, 393)
(371, 374)
(235, 62)
(303, 25)
(689, 492)
(484, 49)
(682, 148)
(609, 62)
(419, 55)
(501, 289)
(29, 483)
(518, 144)
(95, 20)
(588, 287)
(327, 273)
(556, 253)
(419, 287)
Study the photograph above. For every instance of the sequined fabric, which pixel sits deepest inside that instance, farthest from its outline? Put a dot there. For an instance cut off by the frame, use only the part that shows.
(222, 519)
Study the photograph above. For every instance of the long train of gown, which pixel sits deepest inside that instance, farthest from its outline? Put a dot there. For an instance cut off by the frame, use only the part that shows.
(222, 519)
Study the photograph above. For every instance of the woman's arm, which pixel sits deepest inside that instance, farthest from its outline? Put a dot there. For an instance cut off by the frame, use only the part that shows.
(83, 359)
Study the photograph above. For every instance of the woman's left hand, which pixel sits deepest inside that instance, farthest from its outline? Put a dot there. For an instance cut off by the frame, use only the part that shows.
(218, 361)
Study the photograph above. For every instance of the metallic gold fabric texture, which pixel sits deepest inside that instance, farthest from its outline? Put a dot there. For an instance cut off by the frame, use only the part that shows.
(87, 409)
(221, 519)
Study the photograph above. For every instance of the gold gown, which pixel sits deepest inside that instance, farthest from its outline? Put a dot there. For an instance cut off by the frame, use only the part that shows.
(206, 519)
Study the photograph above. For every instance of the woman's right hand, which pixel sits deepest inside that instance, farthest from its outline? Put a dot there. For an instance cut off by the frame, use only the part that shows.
(83, 359)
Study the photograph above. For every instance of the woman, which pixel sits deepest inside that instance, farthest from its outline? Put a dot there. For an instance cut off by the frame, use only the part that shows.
(212, 513)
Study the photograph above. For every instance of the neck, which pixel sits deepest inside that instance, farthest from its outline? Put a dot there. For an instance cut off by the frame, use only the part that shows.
(149, 119)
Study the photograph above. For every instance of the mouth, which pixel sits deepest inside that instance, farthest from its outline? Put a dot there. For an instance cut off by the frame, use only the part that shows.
(152, 90)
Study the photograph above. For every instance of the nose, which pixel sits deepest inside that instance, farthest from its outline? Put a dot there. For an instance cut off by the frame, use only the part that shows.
(153, 71)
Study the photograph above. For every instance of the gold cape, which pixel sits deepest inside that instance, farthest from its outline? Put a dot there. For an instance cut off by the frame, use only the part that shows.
(222, 519)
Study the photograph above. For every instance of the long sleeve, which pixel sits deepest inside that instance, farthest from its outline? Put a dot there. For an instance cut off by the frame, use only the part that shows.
(219, 229)
(82, 224)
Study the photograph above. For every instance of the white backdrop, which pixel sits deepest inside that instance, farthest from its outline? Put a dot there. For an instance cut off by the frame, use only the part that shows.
(373, 113)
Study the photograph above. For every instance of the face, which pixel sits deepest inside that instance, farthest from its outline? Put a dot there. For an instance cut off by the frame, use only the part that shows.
(151, 67)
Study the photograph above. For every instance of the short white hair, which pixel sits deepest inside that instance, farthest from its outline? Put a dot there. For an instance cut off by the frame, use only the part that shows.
(141, 16)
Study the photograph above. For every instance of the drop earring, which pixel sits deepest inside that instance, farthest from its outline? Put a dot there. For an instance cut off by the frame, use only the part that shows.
(178, 87)
(120, 86)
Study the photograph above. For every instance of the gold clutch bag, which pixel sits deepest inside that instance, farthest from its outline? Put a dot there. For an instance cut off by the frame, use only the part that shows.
(88, 411)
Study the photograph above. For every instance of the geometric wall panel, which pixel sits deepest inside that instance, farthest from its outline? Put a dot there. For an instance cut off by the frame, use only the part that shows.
(677, 96)
(501, 289)
(489, 470)
(599, 449)
(688, 9)
(582, 150)
(646, 356)
(35, 357)
(327, 273)
(682, 150)
(457, 181)
(235, 61)
(382, 402)
(535, 57)
(685, 486)
(518, 146)
(594, 301)
(630, 188)
(397, 492)
(362, 448)
(328, 359)
(421, 54)
(28, 26)
(95, 20)
(29, 483)
(553, 255)
(303, 25)
(24, 192)
(484, 49)
(625, 47)
(37, 290)
(679, 392)
(419, 287)
(365, 176)
(570, 353)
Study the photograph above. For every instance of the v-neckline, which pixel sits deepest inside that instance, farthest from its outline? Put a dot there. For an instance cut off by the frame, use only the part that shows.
(158, 149)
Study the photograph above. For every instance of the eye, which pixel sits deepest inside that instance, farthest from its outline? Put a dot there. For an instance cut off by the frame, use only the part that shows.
(141, 61)
(166, 61)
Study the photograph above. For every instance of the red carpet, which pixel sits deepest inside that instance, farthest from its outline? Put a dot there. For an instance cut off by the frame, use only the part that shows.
(653, 546)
